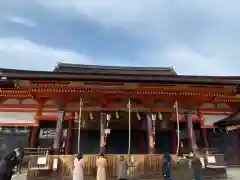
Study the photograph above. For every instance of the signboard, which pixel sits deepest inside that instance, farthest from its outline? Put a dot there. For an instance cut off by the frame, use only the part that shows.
(17, 117)
(211, 159)
(42, 161)
(49, 133)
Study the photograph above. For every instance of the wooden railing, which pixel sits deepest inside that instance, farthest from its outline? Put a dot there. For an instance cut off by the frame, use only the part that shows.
(142, 166)
(40, 151)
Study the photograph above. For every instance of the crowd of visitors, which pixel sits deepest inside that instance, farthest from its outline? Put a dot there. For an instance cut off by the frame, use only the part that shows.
(14, 159)
(123, 166)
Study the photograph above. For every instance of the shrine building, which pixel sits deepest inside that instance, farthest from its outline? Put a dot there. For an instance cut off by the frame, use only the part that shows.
(47, 108)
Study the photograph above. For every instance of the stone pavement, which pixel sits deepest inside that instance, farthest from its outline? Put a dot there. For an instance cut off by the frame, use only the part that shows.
(19, 176)
(233, 173)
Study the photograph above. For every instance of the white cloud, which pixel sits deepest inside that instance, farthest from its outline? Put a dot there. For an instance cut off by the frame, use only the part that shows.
(197, 37)
(187, 61)
(23, 54)
(138, 12)
(22, 21)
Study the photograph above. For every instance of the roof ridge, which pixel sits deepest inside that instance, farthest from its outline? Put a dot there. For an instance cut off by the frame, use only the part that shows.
(69, 65)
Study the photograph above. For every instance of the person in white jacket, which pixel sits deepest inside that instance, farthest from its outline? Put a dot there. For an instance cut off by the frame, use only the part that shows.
(101, 164)
(78, 167)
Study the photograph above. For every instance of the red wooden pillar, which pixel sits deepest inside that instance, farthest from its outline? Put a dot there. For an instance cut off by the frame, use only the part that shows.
(58, 136)
(173, 140)
(69, 135)
(151, 135)
(191, 134)
(204, 130)
(102, 133)
(205, 138)
(35, 129)
(33, 137)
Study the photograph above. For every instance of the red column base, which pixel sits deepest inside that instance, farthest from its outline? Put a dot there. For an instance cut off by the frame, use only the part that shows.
(69, 137)
(174, 141)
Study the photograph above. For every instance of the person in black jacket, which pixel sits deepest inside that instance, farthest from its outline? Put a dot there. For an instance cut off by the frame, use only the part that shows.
(7, 165)
(167, 166)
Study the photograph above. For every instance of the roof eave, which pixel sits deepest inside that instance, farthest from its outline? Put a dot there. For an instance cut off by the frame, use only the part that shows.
(232, 119)
(118, 78)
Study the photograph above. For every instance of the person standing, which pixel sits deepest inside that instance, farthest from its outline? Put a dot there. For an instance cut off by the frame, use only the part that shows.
(167, 166)
(196, 165)
(7, 165)
(122, 167)
(101, 164)
(78, 167)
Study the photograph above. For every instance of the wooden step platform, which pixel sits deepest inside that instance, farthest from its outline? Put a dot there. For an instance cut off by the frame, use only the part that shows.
(144, 167)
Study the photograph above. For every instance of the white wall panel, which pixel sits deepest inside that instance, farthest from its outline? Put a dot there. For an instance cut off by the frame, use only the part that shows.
(28, 101)
(11, 101)
(210, 119)
(17, 117)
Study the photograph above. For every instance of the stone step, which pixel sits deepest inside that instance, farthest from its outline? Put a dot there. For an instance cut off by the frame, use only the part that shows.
(22, 176)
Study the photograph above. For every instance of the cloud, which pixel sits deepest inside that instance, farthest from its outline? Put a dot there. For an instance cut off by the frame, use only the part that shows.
(138, 12)
(187, 61)
(110, 13)
(22, 21)
(196, 37)
(23, 54)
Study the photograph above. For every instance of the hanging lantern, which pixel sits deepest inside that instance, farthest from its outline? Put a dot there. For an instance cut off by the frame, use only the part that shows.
(91, 116)
(25, 130)
(107, 131)
(76, 116)
(138, 116)
(160, 117)
(117, 115)
(151, 142)
(226, 129)
(108, 117)
(214, 130)
(83, 123)
(154, 117)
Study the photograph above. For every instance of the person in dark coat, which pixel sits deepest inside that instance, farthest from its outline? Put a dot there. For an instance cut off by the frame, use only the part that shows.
(122, 168)
(7, 165)
(167, 166)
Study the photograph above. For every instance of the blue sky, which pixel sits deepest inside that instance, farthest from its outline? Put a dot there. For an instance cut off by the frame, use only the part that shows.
(195, 37)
